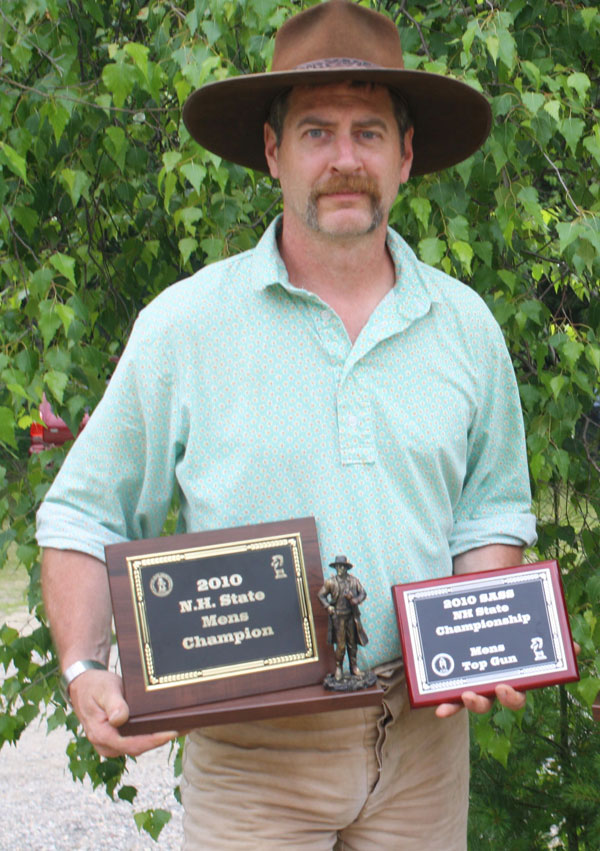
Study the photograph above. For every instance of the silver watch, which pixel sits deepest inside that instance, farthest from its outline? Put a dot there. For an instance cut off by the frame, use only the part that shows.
(74, 670)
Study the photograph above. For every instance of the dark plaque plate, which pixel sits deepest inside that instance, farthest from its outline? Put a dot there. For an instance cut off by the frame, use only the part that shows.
(212, 624)
(471, 632)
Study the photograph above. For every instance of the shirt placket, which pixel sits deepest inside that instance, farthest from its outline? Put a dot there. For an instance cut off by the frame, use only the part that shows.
(356, 438)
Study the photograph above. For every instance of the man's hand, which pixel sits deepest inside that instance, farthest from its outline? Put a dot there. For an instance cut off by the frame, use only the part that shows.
(507, 695)
(97, 698)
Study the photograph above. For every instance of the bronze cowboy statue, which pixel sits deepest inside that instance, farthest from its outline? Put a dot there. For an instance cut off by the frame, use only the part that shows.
(341, 595)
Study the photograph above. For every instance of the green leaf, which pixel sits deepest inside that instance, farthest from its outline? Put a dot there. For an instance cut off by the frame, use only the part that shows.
(592, 353)
(562, 462)
(27, 217)
(56, 382)
(211, 30)
(588, 16)
(587, 688)
(48, 321)
(552, 107)
(14, 161)
(213, 246)
(568, 232)
(528, 197)
(152, 821)
(572, 131)
(533, 310)
(581, 83)
(64, 265)
(533, 72)
(58, 117)
(171, 159)
(195, 173)
(571, 351)
(557, 383)
(66, 315)
(7, 427)
(464, 252)
(119, 78)
(509, 278)
(507, 49)
(186, 247)
(431, 250)
(593, 587)
(592, 144)
(139, 54)
(533, 101)
(115, 143)
(76, 182)
(189, 216)
(421, 207)
(492, 43)
(127, 793)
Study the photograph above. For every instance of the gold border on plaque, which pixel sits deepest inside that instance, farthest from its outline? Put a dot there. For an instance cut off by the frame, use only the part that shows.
(135, 565)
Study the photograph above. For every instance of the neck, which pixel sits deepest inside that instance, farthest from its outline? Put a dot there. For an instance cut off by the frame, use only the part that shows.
(352, 275)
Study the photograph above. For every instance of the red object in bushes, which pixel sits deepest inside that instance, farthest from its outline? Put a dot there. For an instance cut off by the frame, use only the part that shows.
(53, 432)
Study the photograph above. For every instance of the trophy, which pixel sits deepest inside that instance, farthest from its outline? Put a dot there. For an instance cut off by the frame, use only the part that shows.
(341, 596)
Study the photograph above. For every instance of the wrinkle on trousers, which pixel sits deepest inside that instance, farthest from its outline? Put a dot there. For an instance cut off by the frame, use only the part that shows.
(384, 778)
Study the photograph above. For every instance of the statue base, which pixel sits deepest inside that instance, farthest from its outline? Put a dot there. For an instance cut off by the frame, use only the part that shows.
(350, 682)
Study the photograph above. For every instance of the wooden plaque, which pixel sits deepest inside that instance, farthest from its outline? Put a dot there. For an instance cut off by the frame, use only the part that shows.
(222, 626)
(471, 632)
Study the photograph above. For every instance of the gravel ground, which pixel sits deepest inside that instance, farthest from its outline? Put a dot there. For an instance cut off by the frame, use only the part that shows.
(44, 809)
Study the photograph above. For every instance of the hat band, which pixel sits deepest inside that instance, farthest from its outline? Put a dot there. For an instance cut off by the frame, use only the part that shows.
(335, 62)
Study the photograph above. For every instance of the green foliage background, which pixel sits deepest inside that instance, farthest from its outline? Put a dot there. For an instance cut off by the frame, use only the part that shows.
(104, 201)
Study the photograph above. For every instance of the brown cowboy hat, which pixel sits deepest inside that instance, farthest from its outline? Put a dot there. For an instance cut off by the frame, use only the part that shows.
(328, 43)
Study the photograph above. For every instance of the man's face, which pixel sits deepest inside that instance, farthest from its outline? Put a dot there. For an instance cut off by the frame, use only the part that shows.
(339, 162)
(341, 570)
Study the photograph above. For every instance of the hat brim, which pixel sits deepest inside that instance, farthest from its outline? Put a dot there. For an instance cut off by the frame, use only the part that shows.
(451, 119)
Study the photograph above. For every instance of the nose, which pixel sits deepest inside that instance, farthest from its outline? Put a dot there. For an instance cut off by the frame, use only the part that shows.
(345, 159)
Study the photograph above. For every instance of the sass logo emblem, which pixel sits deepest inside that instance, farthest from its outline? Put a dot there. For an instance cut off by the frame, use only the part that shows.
(442, 664)
(161, 584)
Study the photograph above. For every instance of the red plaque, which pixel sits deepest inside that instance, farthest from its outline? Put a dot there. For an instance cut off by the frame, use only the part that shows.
(222, 626)
(471, 632)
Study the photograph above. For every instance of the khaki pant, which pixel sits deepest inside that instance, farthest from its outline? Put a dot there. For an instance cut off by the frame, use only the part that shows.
(378, 779)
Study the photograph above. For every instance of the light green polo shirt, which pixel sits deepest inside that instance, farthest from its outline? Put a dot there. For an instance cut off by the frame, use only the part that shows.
(245, 394)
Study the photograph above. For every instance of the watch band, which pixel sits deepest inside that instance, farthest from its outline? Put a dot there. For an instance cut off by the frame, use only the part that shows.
(74, 670)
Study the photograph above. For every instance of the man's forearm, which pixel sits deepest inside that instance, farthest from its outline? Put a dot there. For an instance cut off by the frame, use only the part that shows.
(490, 557)
(77, 601)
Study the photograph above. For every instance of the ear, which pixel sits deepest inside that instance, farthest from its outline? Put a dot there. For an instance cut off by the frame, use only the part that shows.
(408, 155)
(271, 150)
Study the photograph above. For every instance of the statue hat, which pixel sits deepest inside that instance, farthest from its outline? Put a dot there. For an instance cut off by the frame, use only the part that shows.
(341, 560)
(329, 43)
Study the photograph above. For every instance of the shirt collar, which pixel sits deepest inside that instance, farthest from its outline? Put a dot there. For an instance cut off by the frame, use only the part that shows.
(413, 292)
(268, 267)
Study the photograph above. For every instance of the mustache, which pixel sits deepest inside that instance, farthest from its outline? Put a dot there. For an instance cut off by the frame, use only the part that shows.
(347, 183)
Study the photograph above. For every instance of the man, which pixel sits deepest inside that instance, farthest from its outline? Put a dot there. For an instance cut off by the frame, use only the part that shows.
(341, 595)
(328, 354)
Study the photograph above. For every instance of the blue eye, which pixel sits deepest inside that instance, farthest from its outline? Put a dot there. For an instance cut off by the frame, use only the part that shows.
(315, 133)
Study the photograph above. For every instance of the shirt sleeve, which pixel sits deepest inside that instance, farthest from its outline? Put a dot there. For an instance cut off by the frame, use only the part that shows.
(494, 506)
(115, 484)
